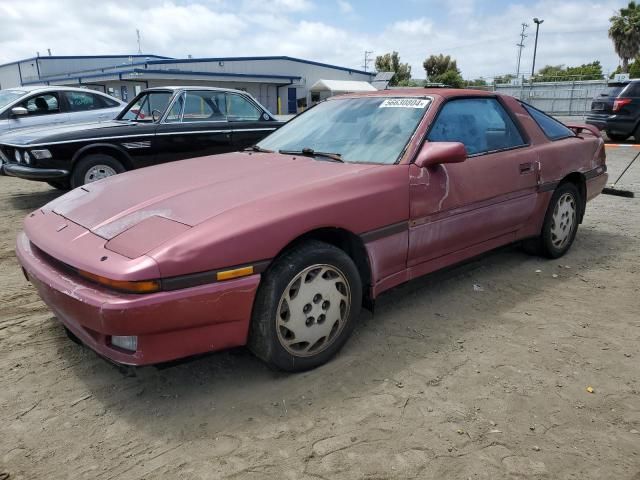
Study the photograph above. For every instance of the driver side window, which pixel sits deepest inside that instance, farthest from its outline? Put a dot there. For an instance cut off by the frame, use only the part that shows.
(43, 104)
(481, 124)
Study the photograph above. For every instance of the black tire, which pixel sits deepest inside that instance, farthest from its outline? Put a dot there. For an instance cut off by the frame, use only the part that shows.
(266, 337)
(59, 184)
(548, 244)
(617, 137)
(90, 161)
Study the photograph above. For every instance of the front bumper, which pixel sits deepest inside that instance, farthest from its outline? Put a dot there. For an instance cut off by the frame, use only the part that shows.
(169, 325)
(34, 173)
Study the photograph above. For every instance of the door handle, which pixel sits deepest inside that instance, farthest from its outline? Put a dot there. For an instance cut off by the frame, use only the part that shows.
(526, 168)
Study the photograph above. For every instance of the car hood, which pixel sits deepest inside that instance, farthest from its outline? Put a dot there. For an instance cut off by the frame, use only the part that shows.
(51, 133)
(193, 191)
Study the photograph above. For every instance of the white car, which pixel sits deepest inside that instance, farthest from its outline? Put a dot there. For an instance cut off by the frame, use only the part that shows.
(39, 106)
(22, 107)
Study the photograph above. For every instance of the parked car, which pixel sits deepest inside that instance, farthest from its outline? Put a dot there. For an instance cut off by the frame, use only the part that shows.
(159, 125)
(616, 110)
(280, 246)
(25, 107)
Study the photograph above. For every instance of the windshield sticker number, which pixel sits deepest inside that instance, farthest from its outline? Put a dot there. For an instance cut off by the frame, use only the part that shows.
(404, 103)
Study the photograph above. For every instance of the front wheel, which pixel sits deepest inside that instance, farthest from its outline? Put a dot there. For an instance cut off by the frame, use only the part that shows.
(306, 307)
(93, 168)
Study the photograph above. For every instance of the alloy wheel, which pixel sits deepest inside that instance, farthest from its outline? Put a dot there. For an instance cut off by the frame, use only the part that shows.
(313, 310)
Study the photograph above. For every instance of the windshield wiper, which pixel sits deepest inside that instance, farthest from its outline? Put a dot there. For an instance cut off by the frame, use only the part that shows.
(256, 148)
(310, 152)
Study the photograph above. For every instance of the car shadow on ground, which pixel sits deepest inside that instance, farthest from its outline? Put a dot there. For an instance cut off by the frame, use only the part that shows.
(415, 322)
(32, 200)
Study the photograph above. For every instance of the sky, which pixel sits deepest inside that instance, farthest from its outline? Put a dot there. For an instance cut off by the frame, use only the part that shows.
(480, 35)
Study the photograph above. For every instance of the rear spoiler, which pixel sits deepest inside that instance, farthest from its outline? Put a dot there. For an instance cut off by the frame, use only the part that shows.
(579, 128)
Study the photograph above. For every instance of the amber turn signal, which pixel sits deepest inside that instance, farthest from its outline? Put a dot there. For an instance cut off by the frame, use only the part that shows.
(235, 273)
(144, 286)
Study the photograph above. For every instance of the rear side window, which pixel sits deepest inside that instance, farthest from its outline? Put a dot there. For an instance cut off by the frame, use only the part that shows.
(83, 101)
(553, 129)
(240, 109)
(633, 90)
(481, 124)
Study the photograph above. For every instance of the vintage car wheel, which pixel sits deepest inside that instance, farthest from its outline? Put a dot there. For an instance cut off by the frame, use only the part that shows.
(93, 168)
(305, 307)
(59, 184)
(560, 224)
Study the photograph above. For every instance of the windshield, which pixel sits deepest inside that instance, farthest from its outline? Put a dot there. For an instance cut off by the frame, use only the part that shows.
(142, 108)
(365, 129)
(8, 96)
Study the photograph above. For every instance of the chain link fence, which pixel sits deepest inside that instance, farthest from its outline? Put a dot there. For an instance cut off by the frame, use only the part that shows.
(561, 97)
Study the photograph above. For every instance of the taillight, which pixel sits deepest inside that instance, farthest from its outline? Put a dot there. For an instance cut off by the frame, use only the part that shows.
(618, 103)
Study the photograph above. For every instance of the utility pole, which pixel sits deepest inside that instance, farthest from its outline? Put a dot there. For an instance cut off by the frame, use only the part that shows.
(537, 21)
(138, 35)
(520, 47)
(367, 59)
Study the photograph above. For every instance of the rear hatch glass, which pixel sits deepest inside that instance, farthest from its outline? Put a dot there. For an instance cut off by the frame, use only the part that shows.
(603, 102)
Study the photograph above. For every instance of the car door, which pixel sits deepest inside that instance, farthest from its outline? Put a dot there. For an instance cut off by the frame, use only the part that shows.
(482, 201)
(195, 125)
(88, 107)
(42, 109)
(249, 123)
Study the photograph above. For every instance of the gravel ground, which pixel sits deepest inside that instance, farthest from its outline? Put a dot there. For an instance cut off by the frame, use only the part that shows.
(478, 372)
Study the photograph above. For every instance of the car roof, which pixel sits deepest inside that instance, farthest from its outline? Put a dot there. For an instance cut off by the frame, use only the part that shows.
(193, 87)
(423, 92)
(48, 88)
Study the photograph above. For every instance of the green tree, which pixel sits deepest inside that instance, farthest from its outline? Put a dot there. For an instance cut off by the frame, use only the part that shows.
(436, 65)
(478, 82)
(390, 62)
(625, 33)
(452, 78)
(504, 78)
(558, 73)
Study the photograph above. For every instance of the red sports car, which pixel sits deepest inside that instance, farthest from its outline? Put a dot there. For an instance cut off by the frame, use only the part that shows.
(278, 247)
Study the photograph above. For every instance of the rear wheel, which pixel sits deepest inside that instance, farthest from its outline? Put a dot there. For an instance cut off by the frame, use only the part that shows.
(560, 223)
(306, 307)
(93, 168)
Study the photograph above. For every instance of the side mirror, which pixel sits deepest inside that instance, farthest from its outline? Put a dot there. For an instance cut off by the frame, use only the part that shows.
(19, 111)
(156, 115)
(435, 153)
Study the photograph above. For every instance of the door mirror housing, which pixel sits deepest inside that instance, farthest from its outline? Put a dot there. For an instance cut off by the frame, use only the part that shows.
(19, 111)
(436, 153)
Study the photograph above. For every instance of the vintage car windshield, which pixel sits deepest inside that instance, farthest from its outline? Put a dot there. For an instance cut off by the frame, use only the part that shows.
(365, 129)
(8, 96)
(141, 110)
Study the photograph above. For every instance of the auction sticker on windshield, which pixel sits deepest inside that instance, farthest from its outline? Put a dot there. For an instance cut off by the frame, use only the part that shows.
(405, 103)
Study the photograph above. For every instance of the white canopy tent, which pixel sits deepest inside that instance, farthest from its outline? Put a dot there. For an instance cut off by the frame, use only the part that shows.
(336, 87)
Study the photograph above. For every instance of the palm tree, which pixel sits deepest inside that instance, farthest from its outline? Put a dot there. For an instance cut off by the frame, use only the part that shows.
(625, 33)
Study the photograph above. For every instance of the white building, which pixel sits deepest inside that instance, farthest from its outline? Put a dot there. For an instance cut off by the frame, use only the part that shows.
(280, 83)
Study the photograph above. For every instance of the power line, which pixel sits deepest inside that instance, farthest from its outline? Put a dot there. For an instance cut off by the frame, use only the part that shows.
(367, 59)
(520, 47)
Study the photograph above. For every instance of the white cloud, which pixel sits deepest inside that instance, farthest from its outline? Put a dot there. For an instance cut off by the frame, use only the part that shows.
(574, 31)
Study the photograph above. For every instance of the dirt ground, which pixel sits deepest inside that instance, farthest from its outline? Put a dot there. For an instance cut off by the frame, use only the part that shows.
(479, 372)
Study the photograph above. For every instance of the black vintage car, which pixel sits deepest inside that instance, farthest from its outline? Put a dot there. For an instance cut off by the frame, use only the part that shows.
(159, 125)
